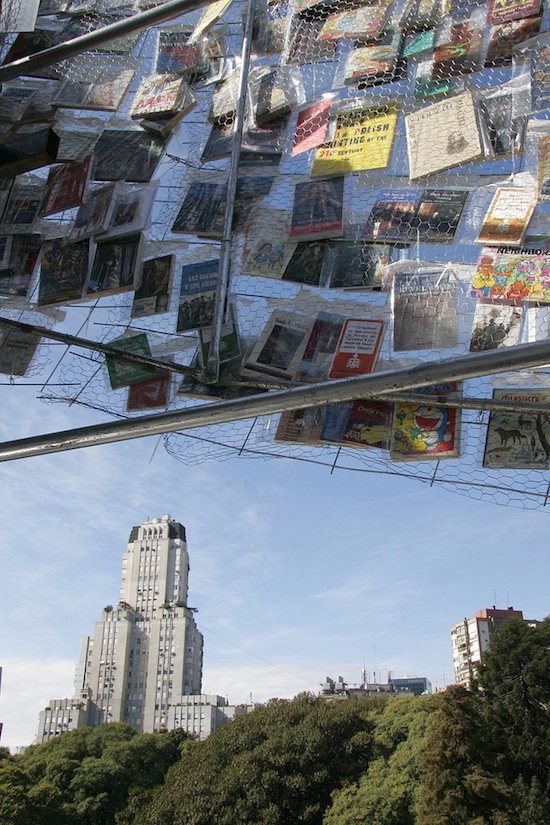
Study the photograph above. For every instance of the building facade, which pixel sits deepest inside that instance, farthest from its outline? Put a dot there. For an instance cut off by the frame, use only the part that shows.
(143, 663)
(470, 640)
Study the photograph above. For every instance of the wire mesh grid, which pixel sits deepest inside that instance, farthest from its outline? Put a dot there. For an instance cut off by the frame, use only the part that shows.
(391, 209)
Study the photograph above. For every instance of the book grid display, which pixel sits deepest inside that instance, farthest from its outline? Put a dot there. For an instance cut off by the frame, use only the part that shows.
(387, 166)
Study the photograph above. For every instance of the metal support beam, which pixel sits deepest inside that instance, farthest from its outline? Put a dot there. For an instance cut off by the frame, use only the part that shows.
(212, 370)
(461, 403)
(106, 349)
(345, 389)
(85, 42)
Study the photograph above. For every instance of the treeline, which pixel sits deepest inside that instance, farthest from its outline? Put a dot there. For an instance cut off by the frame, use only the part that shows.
(478, 757)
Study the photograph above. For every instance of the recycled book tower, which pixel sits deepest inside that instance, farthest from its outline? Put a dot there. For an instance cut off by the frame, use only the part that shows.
(318, 230)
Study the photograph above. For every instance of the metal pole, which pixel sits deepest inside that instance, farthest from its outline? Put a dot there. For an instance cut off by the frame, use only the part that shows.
(106, 349)
(343, 389)
(461, 403)
(85, 42)
(212, 370)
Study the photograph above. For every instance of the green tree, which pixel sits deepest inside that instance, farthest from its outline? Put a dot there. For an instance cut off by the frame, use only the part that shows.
(275, 766)
(387, 793)
(460, 783)
(515, 687)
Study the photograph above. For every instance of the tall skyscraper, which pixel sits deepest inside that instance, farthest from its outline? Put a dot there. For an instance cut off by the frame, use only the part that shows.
(470, 639)
(145, 656)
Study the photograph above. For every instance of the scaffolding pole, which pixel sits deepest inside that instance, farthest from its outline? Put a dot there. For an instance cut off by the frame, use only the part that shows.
(344, 389)
(91, 40)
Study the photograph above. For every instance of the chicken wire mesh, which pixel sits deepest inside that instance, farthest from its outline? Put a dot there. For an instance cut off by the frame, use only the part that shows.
(391, 209)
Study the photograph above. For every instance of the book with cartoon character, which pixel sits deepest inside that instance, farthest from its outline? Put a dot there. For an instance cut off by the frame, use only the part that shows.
(425, 430)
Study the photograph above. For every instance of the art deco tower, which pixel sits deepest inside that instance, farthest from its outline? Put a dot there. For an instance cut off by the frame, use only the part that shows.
(146, 653)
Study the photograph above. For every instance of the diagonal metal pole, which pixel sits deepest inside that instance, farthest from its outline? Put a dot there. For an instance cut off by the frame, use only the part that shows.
(312, 395)
(212, 371)
(106, 349)
(85, 42)
(462, 403)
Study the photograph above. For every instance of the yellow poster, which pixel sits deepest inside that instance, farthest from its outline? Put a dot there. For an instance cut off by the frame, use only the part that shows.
(362, 140)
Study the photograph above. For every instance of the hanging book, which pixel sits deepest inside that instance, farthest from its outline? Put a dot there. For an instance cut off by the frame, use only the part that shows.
(358, 348)
(17, 349)
(116, 266)
(317, 209)
(518, 441)
(362, 423)
(311, 127)
(22, 252)
(496, 325)
(63, 271)
(150, 394)
(503, 113)
(501, 11)
(224, 100)
(392, 216)
(365, 23)
(363, 140)
(320, 348)
(130, 208)
(462, 50)
(426, 431)
(24, 203)
(508, 216)
(300, 426)
(266, 245)
(425, 312)
(280, 348)
(304, 45)
(271, 24)
(124, 373)
(540, 76)
(199, 282)
(220, 142)
(175, 55)
(153, 295)
(66, 187)
(274, 92)
(306, 263)
(512, 275)
(161, 96)
(96, 86)
(94, 215)
(371, 65)
(122, 154)
(358, 265)
(438, 215)
(442, 135)
(420, 15)
(543, 167)
(504, 37)
(27, 152)
(209, 16)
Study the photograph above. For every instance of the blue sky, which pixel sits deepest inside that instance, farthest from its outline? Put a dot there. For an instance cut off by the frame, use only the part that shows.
(296, 573)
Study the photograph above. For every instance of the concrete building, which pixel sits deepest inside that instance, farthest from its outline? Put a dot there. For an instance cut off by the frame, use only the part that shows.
(470, 639)
(143, 663)
(417, 685)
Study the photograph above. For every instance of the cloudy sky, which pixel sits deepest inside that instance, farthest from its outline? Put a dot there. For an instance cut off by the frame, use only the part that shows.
(296, 573)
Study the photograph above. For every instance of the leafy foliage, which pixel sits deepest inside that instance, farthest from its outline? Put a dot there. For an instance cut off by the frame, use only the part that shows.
(275, 766)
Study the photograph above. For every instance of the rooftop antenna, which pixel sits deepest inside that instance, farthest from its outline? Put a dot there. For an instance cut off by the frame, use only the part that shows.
(495, 598)
(508, 602)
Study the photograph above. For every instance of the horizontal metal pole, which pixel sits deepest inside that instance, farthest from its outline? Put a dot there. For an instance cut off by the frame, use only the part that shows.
(461, 403)
(106, 349)
(344, 389)
(85, 42)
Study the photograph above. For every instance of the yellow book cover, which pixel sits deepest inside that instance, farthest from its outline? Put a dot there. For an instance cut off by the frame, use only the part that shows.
(363, 140)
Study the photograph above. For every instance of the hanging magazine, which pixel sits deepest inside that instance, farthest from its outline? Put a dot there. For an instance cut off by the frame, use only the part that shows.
(518, 441)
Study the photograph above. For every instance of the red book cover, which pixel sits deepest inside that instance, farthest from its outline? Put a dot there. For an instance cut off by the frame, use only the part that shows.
(501, 11)
(311, 127)
(358, 348)
(66, 186)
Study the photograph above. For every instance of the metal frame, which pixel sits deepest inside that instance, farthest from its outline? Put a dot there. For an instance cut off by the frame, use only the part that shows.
(380, 384)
